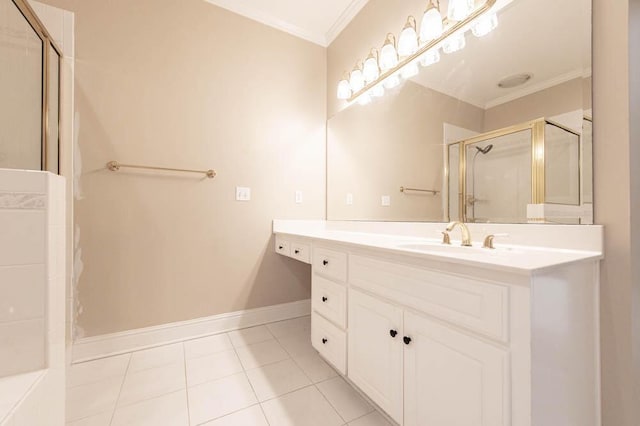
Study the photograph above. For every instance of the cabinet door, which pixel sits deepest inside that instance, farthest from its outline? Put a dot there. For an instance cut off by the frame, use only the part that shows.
(375, 351)
(451, 378)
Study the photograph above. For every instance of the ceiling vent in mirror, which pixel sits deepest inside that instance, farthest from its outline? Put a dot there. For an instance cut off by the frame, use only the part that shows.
(514, 80)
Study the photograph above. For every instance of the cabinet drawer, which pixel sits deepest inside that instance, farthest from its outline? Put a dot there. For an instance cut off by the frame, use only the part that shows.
(301, 252)
(283, 246)
(330, 263)
(478, 305)
(330, 300)
(330, 341)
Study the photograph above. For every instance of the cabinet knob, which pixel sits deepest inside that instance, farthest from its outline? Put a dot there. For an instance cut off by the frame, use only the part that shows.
(325, 262)
(393, 333)
(297, 251)
(280, 247)
(406, 340)
(324, 341)
(324, 299)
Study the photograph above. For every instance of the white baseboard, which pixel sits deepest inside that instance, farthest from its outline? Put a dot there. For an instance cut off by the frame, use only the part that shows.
(127, 341)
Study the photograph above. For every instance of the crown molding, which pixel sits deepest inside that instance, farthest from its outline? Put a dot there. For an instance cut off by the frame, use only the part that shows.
(242, 8)
(344, 19)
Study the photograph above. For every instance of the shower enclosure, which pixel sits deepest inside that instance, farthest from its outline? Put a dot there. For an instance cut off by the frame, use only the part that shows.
(532, 172)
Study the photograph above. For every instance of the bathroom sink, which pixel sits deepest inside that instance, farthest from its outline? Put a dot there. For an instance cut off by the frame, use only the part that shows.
(452, 249)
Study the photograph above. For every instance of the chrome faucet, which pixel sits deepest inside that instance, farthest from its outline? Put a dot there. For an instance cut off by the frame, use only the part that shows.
(466, 236)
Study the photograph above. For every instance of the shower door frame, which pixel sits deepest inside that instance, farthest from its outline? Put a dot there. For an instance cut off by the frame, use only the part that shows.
(48, 45)
(537, 128)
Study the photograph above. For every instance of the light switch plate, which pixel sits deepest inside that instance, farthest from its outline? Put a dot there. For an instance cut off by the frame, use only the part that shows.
(298, 197)
(349, 199)
(385, 200)
(243, 193)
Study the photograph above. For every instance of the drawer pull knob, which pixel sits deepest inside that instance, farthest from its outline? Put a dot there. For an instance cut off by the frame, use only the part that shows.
(324, 299)
(324, 341)
(325, 262)
(393, 333)
(406, 340)
(297, 251)
(280, 247)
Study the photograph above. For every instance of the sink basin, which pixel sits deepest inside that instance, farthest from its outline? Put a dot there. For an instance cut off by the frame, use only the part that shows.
(452, 249)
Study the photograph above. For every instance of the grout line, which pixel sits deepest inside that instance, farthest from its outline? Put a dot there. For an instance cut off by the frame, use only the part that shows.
(186, 384)
(124, 378)
(330, 404)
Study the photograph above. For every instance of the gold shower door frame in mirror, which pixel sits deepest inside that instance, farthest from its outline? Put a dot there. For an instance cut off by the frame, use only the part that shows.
(538, 190)
(49, 46)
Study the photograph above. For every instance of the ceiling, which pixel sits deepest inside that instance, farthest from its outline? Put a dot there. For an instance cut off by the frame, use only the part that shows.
(318, 22)
(550, 39)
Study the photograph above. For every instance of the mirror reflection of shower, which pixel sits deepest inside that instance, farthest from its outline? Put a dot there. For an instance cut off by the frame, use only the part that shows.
(471, 198)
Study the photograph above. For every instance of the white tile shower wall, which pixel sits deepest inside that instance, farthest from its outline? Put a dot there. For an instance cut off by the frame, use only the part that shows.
(23, 220)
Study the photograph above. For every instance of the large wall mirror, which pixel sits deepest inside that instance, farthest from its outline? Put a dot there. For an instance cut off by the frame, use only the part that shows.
(499, 131)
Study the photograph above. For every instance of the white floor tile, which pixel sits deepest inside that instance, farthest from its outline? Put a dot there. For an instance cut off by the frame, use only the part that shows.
(218, 398)
(347, 402)
(249, 336)
(156, 357)
(207, 346)
(298, 344)
(315, 367)
(304, 407)
(292, 326)
(277, 379)
(152, 382)
(260, 354)
(251, 416)
(166, 410)
(102, 419)
(212, 367)
(373, 419)
(93, 398)
(95, 371)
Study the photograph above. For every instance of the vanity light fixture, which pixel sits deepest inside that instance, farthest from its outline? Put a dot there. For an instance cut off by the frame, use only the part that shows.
(388, 54)
(370, 69)
(459, 10)
(356, 79)
(408, 39)
(431, 27)
(384, 69)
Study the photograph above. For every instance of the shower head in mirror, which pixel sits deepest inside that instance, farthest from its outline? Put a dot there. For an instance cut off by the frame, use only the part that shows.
(486, 149)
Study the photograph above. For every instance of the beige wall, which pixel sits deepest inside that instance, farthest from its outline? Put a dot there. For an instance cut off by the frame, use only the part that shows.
(395, 141)
(614, 175)
(560, 99)
(182, 83)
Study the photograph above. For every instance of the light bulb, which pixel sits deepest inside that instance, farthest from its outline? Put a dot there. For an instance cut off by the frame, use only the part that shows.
(431, 27)
(460, 9)
(410, 70)
(391, 81)
(429, 58)
(344, 90)
(388, 56)
(364, 99)
(378, 91)
(454, 43)
(356, 81)
(370, 70)
(485, 25)
(408, 40)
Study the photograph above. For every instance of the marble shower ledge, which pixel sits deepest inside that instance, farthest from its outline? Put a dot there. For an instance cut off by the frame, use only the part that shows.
(22, 200)
(515, 256)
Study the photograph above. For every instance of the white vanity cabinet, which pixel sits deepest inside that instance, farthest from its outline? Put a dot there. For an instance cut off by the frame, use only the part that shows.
(435, 342)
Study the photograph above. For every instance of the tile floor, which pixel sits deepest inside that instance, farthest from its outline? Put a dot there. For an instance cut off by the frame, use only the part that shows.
(261, 376)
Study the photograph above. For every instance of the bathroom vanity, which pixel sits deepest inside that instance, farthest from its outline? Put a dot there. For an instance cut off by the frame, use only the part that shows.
(451, 335)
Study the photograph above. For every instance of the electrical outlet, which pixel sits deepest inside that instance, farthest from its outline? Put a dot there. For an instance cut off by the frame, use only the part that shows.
(243, 193)
(298, 197)
(349, 199)
(385, 200)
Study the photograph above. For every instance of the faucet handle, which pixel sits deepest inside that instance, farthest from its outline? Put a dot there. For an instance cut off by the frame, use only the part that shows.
(446, 239)
(488, 240)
